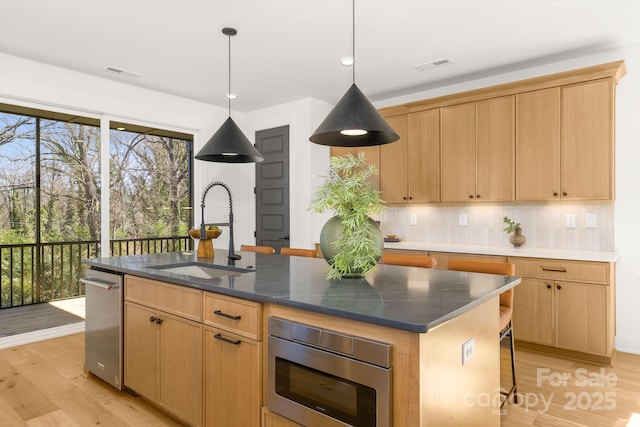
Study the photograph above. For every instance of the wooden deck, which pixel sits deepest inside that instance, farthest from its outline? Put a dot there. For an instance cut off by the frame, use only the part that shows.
(37, 317)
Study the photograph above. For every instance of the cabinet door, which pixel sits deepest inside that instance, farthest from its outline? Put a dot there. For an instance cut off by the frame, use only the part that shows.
(394, 174)
(538, 145)
(180, 359)
(140, 350)
(581, 317)
(371, 154)
(495, 150)
(533, 311)
(232, 379)
(424, 156)
(587, 141)
(458, 153)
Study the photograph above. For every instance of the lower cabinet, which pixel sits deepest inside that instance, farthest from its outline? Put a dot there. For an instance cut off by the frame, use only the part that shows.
(196, 354)
(232, 379)
(566, 306)
(163, 360)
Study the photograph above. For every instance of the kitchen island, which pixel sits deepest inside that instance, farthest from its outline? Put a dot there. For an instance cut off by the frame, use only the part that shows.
(425, 315)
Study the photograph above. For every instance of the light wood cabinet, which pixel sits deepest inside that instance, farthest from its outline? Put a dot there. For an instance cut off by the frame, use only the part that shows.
(163, 360)
(410, 167)
(495, 149)
(478, 151)
(233, 379)
(546, 138)
(587, 147)
(565, 143)
(458, 156)
(394, 163)
(566, 306)
(233, 361)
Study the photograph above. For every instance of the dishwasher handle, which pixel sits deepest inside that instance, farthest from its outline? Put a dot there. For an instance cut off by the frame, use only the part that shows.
(103, 285)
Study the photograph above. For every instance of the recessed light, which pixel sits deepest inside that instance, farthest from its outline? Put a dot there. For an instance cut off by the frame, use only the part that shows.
(122, 72)
(347, 61)
(232, 96)
(121, 128)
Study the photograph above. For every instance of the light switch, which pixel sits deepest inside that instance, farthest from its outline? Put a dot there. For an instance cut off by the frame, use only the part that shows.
(462, 219)
(413, 219)
(591, 220)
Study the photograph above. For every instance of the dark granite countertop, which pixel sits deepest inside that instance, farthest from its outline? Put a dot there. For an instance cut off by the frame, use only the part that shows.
(408, 298)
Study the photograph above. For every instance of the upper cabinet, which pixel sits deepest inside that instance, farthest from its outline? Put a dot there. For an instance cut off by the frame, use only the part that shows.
(565, 143)
(546, 138)
(478, 151)
(587, 148)
(538, 145)
(409, 167)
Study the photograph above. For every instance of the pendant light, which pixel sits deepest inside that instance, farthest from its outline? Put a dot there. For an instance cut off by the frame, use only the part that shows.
(354, 121)
(229, 144)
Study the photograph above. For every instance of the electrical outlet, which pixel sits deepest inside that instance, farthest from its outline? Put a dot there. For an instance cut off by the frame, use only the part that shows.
(468, 348)
(571, 221)
(591, 220)
(413, 219)
(462, 219)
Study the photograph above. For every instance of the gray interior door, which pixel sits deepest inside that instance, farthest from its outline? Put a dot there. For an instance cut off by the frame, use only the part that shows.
(272, 188)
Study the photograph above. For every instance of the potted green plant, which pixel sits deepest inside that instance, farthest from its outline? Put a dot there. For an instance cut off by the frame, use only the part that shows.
(351, 241)
(516, 239)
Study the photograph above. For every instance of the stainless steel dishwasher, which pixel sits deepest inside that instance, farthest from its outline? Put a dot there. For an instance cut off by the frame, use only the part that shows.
(103, 325)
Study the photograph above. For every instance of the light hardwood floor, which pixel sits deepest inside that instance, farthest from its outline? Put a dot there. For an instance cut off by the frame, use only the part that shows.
(560, 392)
(42, 385)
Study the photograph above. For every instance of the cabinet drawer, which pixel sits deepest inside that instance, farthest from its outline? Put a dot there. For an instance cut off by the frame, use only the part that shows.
(234, 315)
(178, 300)
(410, 252)
(554, 269)
(442, 258)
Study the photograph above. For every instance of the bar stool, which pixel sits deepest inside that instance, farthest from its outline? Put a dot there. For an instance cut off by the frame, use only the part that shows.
(259, 249)
(506, 307)
(409, 260)
(310, 253)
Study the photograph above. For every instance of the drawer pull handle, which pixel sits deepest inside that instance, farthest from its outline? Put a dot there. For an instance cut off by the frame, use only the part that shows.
(228, 340)
(228, 316)
(559, 287)
(548, 286)
(152, 319)
(558, 269)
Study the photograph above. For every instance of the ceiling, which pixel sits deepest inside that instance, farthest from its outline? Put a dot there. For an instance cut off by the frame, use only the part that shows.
(291, 49)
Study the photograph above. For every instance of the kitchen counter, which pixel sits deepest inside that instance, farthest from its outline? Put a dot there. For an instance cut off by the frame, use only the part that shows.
(411, 299)
(602, 256)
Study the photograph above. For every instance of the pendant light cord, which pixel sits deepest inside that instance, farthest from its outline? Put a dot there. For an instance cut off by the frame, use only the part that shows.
(353, 39)
(229, 91)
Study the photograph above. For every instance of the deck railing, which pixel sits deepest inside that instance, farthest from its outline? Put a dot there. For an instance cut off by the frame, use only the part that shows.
(32, 273)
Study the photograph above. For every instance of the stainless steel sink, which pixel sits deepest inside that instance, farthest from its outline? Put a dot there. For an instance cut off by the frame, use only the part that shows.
(202, 271)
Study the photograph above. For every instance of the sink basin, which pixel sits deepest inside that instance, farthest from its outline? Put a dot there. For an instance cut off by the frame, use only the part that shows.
(202, 271)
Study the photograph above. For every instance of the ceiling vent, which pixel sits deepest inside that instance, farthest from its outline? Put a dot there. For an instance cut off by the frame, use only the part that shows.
(433, 64)
(123, 73)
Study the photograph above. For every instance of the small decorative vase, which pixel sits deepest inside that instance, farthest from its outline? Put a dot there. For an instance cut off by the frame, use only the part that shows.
(331, 233)
(517, 239)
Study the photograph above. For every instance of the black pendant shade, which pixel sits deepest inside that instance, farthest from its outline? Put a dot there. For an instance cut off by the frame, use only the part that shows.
(229, 145)
(354, 112)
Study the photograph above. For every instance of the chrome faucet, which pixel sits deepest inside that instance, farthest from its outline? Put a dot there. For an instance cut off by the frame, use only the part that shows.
(203, 226)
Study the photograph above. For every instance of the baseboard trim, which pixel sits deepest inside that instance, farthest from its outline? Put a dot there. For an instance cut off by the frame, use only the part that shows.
(41, 335)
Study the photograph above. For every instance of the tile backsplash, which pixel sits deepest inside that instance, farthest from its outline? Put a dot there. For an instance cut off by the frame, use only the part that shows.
(544, 225)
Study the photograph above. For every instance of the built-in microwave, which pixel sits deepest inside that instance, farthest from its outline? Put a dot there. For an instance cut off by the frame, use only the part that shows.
(322, 378)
